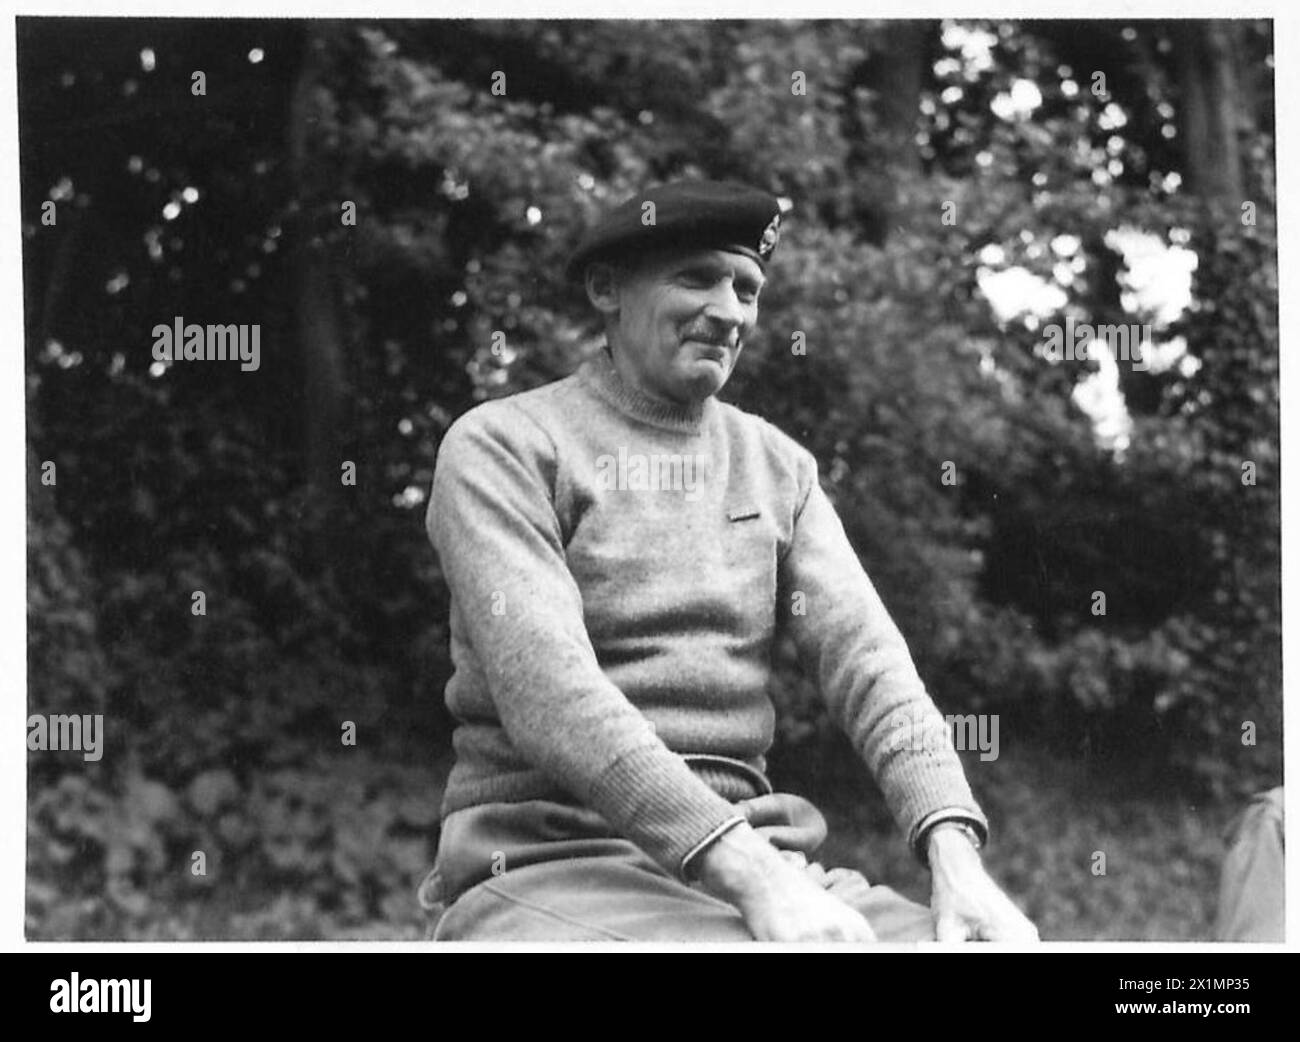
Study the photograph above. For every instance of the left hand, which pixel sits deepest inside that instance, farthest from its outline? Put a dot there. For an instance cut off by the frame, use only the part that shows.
(787, 821)
(966, 903)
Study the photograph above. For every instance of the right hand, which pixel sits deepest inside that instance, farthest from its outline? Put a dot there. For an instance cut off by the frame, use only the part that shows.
(778, 900)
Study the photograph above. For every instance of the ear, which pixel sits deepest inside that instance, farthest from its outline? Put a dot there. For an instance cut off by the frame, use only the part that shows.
(603, 284)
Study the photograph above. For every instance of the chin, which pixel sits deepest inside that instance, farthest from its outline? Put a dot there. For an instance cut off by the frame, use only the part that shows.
(707, 383)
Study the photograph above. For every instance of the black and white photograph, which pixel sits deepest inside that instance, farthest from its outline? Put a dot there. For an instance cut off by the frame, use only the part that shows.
(651, 482)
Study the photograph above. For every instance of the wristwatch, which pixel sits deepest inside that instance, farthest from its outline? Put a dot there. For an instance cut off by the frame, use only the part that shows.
(964, 827)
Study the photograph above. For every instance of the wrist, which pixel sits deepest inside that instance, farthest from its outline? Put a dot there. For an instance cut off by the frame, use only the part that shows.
(738, 864)
(951, 842)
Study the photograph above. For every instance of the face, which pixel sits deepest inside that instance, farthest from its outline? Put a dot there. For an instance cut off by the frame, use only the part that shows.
(679, 319)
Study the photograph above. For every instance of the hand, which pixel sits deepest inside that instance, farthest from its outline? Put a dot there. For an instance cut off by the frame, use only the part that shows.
(786, 821)
(966, 903)
(776, 897)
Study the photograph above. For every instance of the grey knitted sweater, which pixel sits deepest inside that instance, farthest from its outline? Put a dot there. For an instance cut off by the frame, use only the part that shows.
(619, 570)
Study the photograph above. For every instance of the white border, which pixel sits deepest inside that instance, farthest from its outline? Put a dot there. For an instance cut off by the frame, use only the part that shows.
(13, 582)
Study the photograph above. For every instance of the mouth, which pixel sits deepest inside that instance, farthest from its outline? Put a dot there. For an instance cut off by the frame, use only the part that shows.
(713, 349)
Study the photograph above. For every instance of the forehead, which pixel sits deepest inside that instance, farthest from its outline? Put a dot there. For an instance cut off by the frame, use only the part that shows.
(666, 262)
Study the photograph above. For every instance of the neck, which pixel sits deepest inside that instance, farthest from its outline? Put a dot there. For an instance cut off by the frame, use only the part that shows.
(620, 387)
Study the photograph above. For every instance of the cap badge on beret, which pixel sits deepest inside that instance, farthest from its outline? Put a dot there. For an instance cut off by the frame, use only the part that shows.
(771, 236)
(691, 214)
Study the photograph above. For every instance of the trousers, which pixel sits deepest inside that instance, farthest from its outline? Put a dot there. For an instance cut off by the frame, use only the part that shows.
(542, 871)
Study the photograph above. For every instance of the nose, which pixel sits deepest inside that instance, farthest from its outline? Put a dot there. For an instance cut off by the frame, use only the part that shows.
(724, 307)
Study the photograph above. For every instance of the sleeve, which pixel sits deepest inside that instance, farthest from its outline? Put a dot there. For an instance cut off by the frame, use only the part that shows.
(847, 641)
(493, 521)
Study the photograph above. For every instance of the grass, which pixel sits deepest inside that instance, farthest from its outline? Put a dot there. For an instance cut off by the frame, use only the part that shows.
(1051, 818)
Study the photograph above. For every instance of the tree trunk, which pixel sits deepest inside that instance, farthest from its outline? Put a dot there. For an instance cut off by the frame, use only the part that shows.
(1212, 108)
(317, 322)
(894, 72)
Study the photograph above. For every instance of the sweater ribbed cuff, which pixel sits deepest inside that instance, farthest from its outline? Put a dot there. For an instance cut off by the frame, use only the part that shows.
(921, 791)
(656, 801)
(688, 862)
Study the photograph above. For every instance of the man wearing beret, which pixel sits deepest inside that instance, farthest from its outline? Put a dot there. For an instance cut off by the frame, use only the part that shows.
(622, 551)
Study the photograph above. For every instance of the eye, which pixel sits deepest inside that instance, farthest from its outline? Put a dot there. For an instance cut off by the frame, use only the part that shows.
(697, 278)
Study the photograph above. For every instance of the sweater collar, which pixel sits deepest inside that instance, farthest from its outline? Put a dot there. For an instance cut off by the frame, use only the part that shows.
(631, 401)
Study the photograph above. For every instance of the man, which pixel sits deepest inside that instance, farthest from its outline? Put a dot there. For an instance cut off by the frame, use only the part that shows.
(1252, 885)
(622, 551)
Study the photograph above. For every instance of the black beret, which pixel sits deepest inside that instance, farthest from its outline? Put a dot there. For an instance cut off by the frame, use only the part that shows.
(722, 215)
